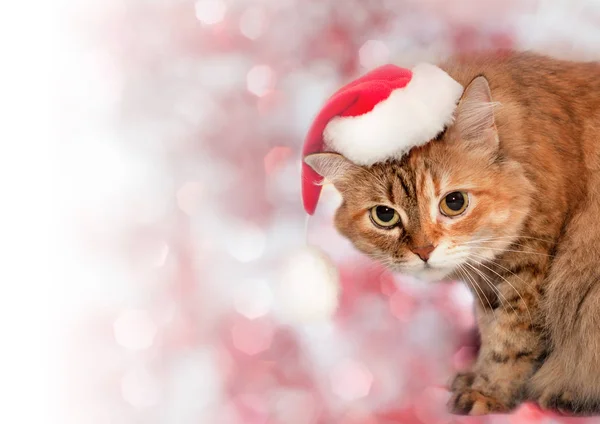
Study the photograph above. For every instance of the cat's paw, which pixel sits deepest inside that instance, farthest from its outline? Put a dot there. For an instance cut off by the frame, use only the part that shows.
(472, 402)
(563, 403)
(462, 381)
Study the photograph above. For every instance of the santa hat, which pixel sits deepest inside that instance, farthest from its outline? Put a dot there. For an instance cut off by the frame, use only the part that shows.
(380, 116)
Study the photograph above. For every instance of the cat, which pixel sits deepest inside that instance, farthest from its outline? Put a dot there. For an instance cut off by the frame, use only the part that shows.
(507, 199)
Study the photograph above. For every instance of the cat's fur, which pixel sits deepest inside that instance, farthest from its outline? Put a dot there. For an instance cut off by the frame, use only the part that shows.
(525, 145)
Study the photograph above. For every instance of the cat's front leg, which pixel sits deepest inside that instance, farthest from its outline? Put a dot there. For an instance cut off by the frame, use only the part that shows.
(511, 350)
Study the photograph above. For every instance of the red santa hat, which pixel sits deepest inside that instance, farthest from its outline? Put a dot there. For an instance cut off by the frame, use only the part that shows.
(380, 116)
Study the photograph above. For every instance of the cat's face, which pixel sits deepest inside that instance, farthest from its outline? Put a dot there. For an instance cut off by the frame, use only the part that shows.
(449, 204)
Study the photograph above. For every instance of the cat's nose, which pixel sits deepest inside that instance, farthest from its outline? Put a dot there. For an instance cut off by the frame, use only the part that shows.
(423, 252)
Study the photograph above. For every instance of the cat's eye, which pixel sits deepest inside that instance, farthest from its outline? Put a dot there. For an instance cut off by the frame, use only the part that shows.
(455, 203)
(384, 217)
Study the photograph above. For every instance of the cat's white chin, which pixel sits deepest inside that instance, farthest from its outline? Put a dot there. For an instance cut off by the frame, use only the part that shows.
(432, 274)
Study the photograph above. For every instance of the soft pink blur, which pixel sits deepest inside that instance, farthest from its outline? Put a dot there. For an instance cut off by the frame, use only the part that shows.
(202, 306)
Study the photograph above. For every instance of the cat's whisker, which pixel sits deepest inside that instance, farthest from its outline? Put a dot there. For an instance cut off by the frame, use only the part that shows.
(507, 243)
(508, 237)
(493, 287)
(470, 248)
(463, 250)
(525, 212)
(378, 263)
(513, 244)
(508, 282)
(501, 238)
(464, 272)
(517, 251)
(503, 267)
(516, 236)
(483, 246)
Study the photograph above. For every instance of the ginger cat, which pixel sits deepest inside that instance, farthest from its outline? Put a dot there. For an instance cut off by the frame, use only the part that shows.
(507, 199)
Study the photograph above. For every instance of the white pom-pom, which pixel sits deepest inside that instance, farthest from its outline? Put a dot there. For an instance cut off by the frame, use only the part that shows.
(308, 289)
(411, 116)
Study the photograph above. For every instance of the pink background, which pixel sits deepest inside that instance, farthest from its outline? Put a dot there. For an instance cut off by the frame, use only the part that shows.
(187, 121)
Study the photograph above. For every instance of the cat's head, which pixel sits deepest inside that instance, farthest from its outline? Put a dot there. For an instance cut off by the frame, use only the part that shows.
(455, 201)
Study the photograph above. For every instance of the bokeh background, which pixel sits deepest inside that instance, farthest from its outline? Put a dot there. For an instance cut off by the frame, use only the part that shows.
(192, 296)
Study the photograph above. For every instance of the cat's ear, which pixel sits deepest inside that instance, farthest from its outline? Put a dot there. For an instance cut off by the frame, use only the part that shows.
(474, 119)
(331, 166)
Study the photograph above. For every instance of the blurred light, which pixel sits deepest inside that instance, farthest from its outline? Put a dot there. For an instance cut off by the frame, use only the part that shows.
(362, 417)
(283, 186)
(350, 380)
(150, 203)
(149, 253)
(134, 329)
(247, 242)
(168, 311)
(253, 299)
(252, 23)
(464, 357)
(218, 75)
(194, 382)
(224, 412)
(430, 406)
(189, 196)
(387, 285)
(330, 198)
(461, 295)
(252, 408)
(402, 305)
(139, 388)
(294, 406)
(252, 337)
(96, 154)
(276, 158)
(531, 413)
(210, 12)
(427, 328)
(270, 105)
(260, 80)
(373, 53)
(162, 256)
(309, 287)
(306, 88)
